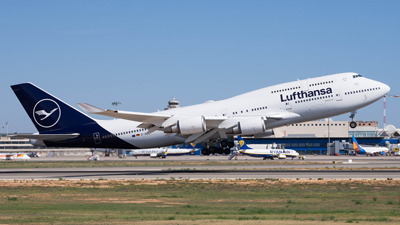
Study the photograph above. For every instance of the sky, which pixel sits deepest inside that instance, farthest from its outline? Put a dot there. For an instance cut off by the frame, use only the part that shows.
(142, 53)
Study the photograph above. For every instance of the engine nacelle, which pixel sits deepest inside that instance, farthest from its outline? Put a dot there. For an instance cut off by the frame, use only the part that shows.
(249, 127)
(37, 143)
(281, 156)
(190, 125)
(154, 155)
(265, 134)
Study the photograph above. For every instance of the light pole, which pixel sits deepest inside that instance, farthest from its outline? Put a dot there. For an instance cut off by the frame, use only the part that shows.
(329, 138)
(116, 104)
(384, 111)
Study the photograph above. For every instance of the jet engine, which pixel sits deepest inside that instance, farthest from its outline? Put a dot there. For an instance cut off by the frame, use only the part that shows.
(265, 134)
(248, 127)
(281, 156)
(190, 125)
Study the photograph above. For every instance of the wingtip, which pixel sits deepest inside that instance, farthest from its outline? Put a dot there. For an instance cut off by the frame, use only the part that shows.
(89, 108)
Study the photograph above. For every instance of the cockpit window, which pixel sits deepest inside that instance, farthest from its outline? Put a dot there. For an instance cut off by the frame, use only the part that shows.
(358, 75)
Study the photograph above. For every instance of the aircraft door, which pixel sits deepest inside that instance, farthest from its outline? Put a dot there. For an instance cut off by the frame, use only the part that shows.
(96, 138)
(338, 95)
(288, 105)
(304, 85)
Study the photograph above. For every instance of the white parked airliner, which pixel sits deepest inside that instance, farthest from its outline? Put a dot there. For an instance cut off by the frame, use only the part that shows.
(266, 153)
(255, 112)
(368, 150)
(162, 152)
(14, 156)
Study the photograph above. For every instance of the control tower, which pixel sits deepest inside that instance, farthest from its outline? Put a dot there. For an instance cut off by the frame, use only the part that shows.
(172, 104)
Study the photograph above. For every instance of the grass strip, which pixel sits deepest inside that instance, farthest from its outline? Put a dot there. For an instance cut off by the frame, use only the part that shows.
(129, 201)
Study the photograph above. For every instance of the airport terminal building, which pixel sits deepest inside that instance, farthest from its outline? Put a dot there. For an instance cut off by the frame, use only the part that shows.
(17, 145)
(322, 128)
(312, 137)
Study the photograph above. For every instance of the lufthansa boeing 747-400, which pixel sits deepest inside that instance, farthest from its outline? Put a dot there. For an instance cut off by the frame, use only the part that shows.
(253, 113)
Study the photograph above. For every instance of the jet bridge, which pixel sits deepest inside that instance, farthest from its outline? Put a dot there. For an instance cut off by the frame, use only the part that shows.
(336, 146)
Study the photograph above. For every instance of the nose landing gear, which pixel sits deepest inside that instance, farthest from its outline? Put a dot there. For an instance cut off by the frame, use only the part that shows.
(353, 124)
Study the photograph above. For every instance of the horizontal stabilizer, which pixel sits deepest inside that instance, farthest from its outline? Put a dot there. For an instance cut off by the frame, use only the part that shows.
(47, 137)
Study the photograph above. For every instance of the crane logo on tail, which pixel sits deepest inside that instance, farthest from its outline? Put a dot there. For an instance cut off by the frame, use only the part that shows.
(46, 113)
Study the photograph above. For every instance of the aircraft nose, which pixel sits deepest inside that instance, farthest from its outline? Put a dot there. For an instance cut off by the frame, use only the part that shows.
(385, 88)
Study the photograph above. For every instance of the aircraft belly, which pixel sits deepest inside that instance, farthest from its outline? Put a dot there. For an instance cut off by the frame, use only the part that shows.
(155, 139)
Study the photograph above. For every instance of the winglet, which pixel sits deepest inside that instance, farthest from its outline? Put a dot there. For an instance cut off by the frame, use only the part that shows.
(242, 144)
(90, 109)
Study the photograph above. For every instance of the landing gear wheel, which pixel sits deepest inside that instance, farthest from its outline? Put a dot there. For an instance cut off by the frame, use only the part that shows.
(205, 151)
(353, 124)
(227, 151)
(224, 144)
(213, 150)
(231, 144)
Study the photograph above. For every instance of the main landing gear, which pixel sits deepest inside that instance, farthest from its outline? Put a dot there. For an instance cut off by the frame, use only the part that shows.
(353, 123)
(225, 148)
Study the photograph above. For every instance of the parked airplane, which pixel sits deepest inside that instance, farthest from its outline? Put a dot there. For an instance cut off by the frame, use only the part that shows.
(162, 152)
(93, 158)
(368, 150)
(255, 112)
(264, 152)
(14, 156)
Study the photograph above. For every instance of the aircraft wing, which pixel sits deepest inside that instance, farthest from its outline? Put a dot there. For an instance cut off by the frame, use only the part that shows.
(158, 119)
(47, 137)
(134, 116)
(215, 125)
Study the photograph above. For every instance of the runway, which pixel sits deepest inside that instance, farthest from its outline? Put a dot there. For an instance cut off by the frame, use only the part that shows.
(358, 168)
(119, 173)
(156, 173)
(194, 158)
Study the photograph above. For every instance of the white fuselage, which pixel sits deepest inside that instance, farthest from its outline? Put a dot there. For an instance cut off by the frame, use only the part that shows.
(14, 156)
(306, 100)
(369, 150)
(289, 153)
(158, 152)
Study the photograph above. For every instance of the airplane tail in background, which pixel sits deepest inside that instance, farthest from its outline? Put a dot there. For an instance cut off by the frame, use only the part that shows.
(47, 112)
(356, 146)
(242, 144)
